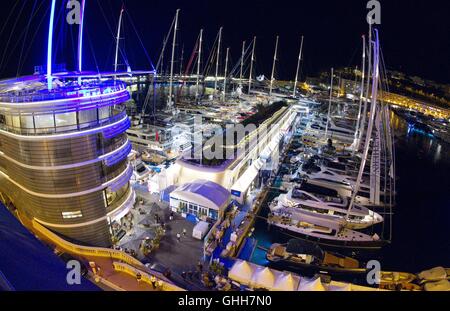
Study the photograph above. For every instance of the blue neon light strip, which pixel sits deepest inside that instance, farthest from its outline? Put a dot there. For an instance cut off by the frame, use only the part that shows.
(117, 130)
(119, 156)
(122, 181)
(80, 38)
(50, 46)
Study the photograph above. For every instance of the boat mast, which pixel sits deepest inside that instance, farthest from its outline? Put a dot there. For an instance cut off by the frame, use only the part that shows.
(174, 42)
(251, 66)
(329, 103)
(272, 77)
(119, 27)
(298, 68)
(375, 77)
(199, 59)
(242, 63)
(181, 60)
(361, 95)
(225, 75)
(217, 60)
(364, 115)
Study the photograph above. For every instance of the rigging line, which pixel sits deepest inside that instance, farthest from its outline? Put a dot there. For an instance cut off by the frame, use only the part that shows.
(93, 52)
(9, 16)
(34, 37)
(12, 51)
(106, 19)
(60, 37)
(11, 33)
(140, 40)
(26, 34)
(210, 59)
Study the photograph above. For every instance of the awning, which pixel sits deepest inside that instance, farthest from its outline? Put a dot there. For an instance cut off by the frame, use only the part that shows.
(244, 182)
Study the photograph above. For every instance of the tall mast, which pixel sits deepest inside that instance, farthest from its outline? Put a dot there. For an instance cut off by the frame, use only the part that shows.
(375, 77)
(119, 27)
(329, 103)
(199, 59)
(272, 77)
(217, 60)
(50, 46)
(298, 68)
(181, 61)
(361, 95)
(174, 42)
(364, 115)
(242, 62)
(251, 66)
(225, 75)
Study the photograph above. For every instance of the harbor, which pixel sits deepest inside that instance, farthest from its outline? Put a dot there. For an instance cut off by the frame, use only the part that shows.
(213, 169)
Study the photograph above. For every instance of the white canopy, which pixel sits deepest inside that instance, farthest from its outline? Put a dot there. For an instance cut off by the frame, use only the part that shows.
(311, 285)
(286, 282)
(241, 272)
(264, 278)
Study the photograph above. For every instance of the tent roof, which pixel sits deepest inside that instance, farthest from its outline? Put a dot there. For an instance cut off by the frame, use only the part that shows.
(313, 285)
(286, 282)
(264, 278)
(241, 271)
(206, 190)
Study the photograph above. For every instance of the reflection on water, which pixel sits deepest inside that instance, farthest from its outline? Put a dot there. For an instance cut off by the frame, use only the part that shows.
(421, 223)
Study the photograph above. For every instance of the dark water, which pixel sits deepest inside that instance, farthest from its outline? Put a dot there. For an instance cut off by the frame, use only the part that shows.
(421, 220)
(421, 224)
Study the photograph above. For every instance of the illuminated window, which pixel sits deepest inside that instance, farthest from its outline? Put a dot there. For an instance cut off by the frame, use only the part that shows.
(71, 215)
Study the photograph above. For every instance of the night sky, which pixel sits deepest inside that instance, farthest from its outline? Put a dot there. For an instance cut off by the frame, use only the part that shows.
(414, 34)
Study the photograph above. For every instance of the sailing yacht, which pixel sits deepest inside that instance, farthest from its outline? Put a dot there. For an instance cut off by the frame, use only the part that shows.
(321, 206)
(336, 129)
(313, 171)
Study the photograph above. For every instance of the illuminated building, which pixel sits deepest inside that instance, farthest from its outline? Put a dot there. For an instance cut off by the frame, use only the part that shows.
(63, 155)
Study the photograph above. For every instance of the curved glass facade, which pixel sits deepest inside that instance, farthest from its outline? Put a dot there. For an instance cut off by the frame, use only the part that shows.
(63, 156)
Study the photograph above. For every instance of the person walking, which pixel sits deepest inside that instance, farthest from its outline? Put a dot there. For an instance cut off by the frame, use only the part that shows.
(153, 281)
(200, 266)
(178, 237)
(160, 284)
(184, 232)
(171, 216)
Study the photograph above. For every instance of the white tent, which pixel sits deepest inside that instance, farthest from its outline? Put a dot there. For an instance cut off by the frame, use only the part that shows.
(286, 282)
(241, 272)
(264, 278)
(311, 285)
(347, 287)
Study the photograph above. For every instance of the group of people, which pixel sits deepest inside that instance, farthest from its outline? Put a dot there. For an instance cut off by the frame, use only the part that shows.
(157, 284)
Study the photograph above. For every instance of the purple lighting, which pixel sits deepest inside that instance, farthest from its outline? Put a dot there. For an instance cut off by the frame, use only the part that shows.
(80, 38)
(50, 46)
